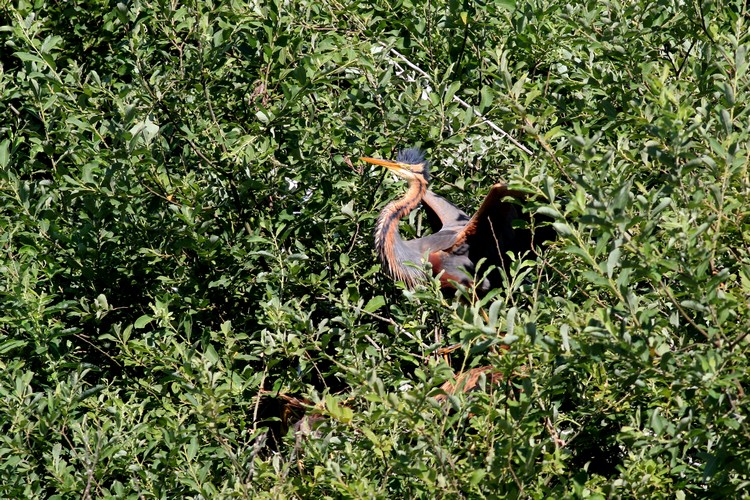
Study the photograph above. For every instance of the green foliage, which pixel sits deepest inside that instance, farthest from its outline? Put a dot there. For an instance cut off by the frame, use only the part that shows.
(186, 229)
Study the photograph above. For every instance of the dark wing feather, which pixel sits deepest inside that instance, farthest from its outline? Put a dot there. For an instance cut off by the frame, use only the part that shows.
(499, 209)
(442, 214)
(491, 234)
(458, 242)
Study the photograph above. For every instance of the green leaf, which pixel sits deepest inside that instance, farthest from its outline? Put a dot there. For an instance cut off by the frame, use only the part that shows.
(563, 229)
(374, 304)
(510, 339)
(337, 411)
(11, 345)
(549, 212)
(487, 98)
(212, 355)
(450, 92)
(4, 153)
(348, 209)
(477, 476)
(50, 43)
(494, 309)
(143, 321)
(24, 56)
(613, 261)
(549, 189)
(101, 301)
(226, 328)
(511, 321)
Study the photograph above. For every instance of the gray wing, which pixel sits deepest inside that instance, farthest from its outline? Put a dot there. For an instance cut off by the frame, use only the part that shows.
(442, 214)
(443, 254)
(442, 240)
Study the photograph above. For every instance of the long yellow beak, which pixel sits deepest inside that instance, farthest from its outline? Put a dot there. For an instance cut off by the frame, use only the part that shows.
(384, 163)
(398, 168)
(403, 170)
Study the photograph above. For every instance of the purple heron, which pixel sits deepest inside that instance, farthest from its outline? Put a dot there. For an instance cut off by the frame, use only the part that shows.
(458, 242)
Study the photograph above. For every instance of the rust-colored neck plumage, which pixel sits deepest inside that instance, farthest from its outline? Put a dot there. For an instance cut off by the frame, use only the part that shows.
(393, 251)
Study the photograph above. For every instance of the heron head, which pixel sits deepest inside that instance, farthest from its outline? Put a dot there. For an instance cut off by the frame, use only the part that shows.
(410, 164)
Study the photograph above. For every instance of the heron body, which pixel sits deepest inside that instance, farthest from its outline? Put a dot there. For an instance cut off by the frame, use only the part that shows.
(458, 242)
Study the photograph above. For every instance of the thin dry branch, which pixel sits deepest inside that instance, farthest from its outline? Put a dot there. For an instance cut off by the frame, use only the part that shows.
(463, 103)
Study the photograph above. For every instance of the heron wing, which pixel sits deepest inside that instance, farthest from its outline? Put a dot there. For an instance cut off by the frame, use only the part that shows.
(491, 234)
(442, 240)
(442, 214)
(494, 219)
(450, 261)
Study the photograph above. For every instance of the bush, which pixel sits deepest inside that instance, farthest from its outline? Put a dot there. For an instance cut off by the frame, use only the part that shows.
(187, 236)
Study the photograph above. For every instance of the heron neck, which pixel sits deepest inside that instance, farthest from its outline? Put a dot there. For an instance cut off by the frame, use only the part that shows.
(393, 251)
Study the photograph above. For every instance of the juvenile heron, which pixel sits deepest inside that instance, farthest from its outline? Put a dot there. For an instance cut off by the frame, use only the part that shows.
(458, 242)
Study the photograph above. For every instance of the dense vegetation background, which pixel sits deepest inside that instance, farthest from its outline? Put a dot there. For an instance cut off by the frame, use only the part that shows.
(186, 236)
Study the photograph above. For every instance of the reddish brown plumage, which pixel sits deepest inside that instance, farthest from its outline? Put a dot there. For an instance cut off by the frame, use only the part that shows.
(388, 242)
(459, 243)
(468, 381)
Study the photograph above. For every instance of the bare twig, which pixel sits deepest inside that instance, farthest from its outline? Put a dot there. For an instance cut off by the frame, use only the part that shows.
(463, 103)
(685, 315)
(550, 152)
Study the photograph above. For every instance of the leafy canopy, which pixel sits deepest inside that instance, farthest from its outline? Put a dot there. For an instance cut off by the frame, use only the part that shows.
(186, 233)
